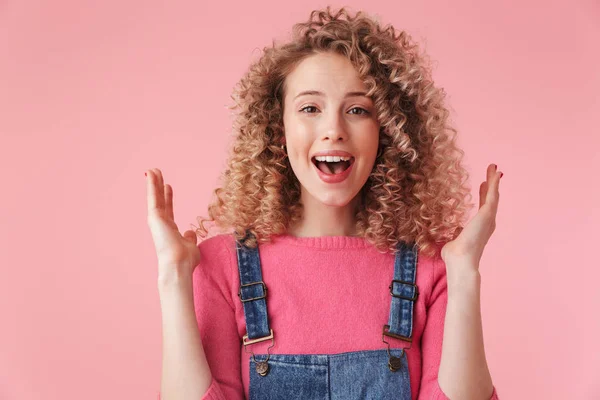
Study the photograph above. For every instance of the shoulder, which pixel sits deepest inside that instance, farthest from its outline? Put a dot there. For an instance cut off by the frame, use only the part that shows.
(216, 258)
(217, 246)
(213, 278)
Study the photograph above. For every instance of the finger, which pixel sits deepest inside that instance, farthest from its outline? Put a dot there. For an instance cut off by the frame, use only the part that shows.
(159, 176)
(482, 193)
(160, 190)
(493, 194)
(169, 201)
(151, 190)
(191, 236)
(497, 186)
(491, 170)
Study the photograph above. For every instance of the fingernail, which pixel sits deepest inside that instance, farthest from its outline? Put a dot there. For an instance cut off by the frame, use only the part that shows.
(495, 167)
(501, 173)
(145, 174)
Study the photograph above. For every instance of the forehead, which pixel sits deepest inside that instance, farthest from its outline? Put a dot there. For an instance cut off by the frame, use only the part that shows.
(327, 72)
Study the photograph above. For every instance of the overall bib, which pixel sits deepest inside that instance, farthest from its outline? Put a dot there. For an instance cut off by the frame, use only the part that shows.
(369, 374)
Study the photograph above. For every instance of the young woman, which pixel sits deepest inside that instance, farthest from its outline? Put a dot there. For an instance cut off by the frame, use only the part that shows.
(344, 271)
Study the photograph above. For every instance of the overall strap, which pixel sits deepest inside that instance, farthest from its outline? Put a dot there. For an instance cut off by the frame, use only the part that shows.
(404, 293)
(252, 292)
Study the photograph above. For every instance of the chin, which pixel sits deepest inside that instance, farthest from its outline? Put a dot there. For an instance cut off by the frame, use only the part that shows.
(334, 199)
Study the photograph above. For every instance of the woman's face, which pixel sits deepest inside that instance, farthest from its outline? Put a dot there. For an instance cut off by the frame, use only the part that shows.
(335, 119)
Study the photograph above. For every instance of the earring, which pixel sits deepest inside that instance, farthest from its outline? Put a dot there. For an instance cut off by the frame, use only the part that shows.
(283, 147)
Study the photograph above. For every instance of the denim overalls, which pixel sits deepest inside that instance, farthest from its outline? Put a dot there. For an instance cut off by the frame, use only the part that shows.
(369, 374)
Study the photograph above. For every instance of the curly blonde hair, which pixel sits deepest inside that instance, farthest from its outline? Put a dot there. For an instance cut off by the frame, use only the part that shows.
(417, 191)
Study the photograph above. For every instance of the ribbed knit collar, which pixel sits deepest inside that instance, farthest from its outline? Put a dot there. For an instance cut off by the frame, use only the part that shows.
(324, 242)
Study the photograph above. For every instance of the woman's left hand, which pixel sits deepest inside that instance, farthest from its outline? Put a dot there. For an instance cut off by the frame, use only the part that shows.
(467, 248)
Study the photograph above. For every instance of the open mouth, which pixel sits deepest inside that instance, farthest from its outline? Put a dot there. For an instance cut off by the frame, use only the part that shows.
(332, 165)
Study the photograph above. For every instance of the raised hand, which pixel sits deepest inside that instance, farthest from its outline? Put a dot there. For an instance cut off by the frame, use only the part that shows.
(467, 248)
(177, 254)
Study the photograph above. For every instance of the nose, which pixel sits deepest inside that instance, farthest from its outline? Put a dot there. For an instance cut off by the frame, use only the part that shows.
(335, 129)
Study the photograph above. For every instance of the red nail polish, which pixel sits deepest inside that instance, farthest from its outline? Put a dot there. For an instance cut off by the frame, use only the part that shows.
(145, 174)
(501, 173)
(495, 167)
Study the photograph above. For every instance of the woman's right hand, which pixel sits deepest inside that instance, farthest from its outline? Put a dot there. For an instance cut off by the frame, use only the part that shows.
(177, 254)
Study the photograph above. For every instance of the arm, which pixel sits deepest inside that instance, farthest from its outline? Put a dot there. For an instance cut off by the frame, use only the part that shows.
(202, 345)
(463, 372)
(185, 371)
(463, 354)
(445, 349)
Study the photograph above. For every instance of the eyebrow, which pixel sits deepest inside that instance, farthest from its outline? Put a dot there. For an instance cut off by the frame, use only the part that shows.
(317, 93)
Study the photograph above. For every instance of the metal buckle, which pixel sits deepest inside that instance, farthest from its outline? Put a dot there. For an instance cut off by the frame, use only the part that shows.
(246, 342)
(262, 367)
(390, 334)
(399, 296)
(394, 363)
(253, 298)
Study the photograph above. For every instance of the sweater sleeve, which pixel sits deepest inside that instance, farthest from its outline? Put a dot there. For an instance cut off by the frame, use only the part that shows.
(215, 314)
(431, 341)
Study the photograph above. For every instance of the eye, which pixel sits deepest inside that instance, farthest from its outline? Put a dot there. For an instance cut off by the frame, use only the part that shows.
(361, 109)
(304, 108)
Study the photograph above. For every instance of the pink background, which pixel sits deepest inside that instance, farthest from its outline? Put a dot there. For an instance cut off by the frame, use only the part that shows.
(92, 93)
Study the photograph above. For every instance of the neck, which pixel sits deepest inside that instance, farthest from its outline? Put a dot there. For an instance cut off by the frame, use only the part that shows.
(320, 219)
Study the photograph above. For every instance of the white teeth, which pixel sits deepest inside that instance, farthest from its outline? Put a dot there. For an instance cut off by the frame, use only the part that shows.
(332, 158)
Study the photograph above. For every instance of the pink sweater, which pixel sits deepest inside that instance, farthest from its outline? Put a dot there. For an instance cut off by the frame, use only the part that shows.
(312, 282)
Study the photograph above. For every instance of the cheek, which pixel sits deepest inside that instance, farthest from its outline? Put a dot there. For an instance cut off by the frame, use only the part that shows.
(371, 143)
(298, 153)
(296, 150)
(298, 142)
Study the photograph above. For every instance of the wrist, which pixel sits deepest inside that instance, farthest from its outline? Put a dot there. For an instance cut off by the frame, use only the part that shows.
(462, 277)
(173, 277)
